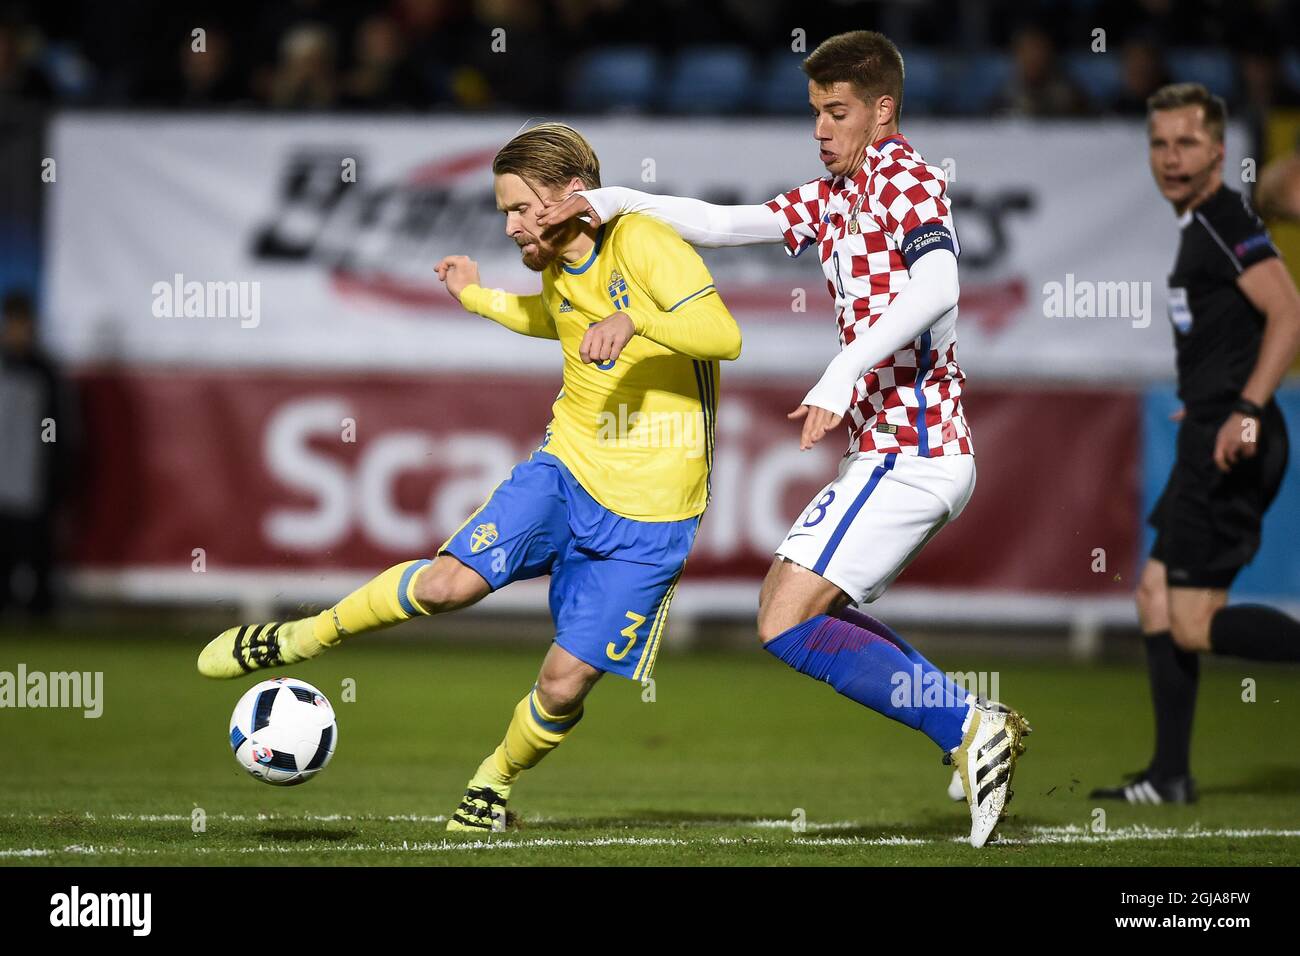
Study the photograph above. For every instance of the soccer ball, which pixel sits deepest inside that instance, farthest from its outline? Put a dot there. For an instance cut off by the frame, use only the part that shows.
(283, 731)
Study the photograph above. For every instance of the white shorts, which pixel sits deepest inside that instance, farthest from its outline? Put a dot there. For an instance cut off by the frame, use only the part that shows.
(870, 522)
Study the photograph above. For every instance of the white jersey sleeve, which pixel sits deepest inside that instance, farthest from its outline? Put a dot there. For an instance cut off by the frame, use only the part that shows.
(700, 223)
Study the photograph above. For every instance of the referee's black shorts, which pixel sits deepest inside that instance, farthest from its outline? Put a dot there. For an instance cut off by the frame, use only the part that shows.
(1207, 522)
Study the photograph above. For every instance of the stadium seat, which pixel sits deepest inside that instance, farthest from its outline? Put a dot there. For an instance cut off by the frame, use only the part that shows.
(924, 86)
(1212, 68)
(976, 81)
(709, 80)
(782, 87)
(1098, 74)
(67, 71)
(615, 78)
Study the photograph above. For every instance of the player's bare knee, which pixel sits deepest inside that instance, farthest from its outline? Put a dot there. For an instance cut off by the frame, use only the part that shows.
(772, 623)
(776, 618)
(1147, 595)
(561, 693)
(1191, 632)
(446, 585)
(1152, 598)
(1152, 607)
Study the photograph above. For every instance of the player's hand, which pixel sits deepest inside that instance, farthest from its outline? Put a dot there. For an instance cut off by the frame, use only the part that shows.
(553, 214)
(1238, 439)
(817, 422)
(457, 272)
(1178, 416)
(605, 340)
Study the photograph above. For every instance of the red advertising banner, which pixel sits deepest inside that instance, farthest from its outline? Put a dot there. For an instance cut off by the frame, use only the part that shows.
(318, 472)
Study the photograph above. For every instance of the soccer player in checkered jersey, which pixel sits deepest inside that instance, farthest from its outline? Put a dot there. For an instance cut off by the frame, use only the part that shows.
(881, 225)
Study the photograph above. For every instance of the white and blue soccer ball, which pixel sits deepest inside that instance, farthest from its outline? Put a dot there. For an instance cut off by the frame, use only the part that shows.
(283, 731)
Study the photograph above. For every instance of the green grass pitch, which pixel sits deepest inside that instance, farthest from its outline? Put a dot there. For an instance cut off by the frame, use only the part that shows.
(715, 770)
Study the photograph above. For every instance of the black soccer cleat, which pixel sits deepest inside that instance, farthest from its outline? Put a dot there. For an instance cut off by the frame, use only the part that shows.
(1145, 788)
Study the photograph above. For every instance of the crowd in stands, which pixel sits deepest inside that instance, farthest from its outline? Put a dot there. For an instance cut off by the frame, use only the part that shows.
(1041, 58)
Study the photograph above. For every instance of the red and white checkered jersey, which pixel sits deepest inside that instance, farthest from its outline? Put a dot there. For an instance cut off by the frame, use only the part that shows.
(910, 402)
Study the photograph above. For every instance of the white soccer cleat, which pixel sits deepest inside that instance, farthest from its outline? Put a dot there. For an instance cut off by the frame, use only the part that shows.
(986, 761)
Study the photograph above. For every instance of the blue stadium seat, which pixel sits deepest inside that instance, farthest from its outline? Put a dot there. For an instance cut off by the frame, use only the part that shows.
(709, 79)
(67, 71)
(1212, 68)
(615, 78)
(924, 82)
(1100, 75)
(782, 87)
(977, 80)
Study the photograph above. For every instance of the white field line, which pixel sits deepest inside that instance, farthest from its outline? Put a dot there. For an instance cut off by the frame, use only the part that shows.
(1076, 835)
(773, 824)
(1040, 836)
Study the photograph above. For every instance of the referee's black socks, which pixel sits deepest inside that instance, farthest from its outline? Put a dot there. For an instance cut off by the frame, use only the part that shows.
(1256, 632)
(1174, 674)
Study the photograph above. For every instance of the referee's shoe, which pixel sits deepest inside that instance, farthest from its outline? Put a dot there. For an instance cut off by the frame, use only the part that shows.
(1144, 787)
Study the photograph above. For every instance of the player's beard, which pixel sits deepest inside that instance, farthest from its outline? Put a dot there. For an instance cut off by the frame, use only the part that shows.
(548, 248)
(538, 260)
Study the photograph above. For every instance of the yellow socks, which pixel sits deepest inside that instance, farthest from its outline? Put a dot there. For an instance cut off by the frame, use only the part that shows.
(532, 734)
(381, 602)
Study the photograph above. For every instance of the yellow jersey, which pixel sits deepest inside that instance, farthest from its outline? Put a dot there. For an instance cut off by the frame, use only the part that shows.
(637, 432)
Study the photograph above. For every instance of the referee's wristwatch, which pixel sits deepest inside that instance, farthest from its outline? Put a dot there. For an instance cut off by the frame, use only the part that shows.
(1245, 406)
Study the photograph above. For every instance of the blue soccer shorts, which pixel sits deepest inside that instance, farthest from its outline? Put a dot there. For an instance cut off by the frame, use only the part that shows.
(612, 578)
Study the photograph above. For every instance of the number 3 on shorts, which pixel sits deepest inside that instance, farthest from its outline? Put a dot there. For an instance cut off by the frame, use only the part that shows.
(819, 510)
(630, 633)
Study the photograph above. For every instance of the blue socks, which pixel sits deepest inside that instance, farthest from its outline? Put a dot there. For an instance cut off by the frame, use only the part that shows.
(867, 662)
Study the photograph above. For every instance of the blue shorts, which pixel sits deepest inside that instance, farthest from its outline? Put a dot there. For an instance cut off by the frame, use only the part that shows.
(612, 578)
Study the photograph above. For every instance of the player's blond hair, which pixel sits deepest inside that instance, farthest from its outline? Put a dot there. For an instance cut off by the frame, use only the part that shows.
(549, 154)
(1214, 112)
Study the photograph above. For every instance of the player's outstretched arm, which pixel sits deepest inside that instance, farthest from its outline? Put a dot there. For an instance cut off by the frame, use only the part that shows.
(525, 314)
(699, 223)
(932, 291)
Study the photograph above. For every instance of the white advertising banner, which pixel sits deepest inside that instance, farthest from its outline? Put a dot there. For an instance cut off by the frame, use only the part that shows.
(309, 242)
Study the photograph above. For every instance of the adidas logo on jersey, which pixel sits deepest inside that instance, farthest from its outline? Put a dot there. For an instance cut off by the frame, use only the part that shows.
(565, 306)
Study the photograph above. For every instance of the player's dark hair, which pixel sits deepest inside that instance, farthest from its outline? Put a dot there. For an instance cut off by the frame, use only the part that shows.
(866, 59)
(549, 154)
(1214, 113)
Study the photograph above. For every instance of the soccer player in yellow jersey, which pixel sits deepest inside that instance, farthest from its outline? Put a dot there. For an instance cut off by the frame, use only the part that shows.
(608, 505)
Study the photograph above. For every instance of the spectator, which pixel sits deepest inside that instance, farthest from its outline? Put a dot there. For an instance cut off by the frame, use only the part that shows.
(437, 34)
(1039, 87)
(36, 432)
(1143, 72)
(304, 77)
(1264, 83)
(19, 80)
(382, 75)
(524, 76)
(207, 77)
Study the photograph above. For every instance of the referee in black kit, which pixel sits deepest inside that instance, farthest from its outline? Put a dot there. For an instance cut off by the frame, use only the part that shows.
(1236, 318)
